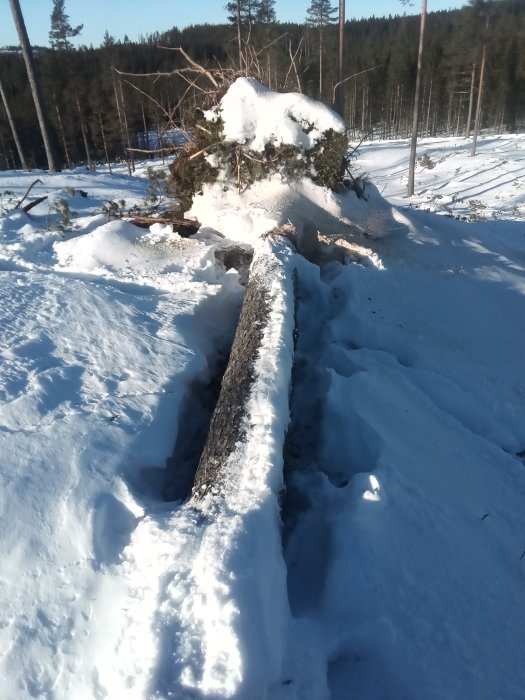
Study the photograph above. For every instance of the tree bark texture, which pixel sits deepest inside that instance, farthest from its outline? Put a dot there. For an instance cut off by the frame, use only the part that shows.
(229, 426)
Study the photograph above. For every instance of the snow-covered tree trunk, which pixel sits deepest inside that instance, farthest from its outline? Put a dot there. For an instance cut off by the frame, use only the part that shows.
(230, 427)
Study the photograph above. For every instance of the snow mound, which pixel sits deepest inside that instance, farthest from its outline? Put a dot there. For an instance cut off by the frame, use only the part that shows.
(256, 116)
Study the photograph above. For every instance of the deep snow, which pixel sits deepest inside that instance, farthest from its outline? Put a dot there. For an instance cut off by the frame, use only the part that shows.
(403, 533)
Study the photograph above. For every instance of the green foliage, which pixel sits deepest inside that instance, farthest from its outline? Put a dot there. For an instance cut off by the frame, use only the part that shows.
(64, 221)
(426, 162)
(212, 159)
(320, 13)
(378, 102)
(266, 12)
(61, 29)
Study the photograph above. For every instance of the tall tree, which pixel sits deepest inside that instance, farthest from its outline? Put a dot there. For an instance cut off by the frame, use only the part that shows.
(266, 12)
(61, 29)
(415, 113)
(34, 84)
(320, 14)
(340, 100)
(244, 10)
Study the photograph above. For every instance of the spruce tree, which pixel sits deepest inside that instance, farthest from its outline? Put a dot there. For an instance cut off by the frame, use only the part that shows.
(61, 29)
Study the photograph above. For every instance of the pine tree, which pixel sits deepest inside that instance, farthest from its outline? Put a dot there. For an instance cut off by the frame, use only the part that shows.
(320, 14)
(61, 29)
(266, 12)
(244, 11)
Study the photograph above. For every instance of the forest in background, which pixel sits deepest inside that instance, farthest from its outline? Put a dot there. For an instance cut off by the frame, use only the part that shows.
(98, 113)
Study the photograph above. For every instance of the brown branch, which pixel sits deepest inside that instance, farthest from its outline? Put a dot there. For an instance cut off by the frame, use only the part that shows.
(34, 203)
(165, 149)
(196, 66)
(187, 226)
(27, 192)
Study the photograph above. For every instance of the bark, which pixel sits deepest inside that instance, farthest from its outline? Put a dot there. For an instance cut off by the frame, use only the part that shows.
(12, 126)
(470, 102)
(228, 425)
(84, 136)
(34, 84)
(415, 115)
(340, 102)
(478, 104)
(104, 143)
(62, 133)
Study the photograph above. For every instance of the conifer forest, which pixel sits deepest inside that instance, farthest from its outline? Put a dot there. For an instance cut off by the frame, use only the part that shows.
(104, 102)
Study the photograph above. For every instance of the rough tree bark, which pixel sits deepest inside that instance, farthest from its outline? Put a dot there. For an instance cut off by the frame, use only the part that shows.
(228, 425)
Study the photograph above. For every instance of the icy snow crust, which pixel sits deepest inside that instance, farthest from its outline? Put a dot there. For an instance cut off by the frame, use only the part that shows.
(404, 526)
(254, 116)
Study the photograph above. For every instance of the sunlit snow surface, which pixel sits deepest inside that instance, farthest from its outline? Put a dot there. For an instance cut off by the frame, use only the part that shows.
(405, 546)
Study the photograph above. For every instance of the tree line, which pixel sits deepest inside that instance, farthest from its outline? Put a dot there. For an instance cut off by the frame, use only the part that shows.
(123, 97)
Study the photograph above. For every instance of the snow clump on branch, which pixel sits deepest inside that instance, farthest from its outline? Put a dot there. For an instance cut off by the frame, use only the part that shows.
(255, 116)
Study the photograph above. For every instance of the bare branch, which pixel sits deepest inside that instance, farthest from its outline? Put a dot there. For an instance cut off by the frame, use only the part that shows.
(27, 192)
(350, 78)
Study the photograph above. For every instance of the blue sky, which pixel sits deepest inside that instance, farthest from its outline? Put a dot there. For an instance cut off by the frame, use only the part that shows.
(136, 17)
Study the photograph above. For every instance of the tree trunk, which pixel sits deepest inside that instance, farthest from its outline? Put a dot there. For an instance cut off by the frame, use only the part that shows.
(415, 116)
(104, 143)
(13, 128)
(34, 84)
(121, 124)
(62, 133)
(470, 102)
(239, 40)
(84, 136)
(321, 67)
(340, 100)
(478, 104)
(270, 275)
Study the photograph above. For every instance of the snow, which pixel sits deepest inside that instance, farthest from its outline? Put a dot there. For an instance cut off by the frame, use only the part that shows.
(255, 116)
(397, 571)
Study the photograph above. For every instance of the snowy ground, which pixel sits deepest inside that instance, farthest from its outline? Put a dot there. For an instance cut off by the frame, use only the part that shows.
(404, 528)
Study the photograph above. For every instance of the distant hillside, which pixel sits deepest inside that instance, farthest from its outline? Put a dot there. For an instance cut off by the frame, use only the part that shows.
(381, 54)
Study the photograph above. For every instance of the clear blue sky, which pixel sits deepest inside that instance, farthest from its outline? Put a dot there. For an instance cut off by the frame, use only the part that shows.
(136, 17)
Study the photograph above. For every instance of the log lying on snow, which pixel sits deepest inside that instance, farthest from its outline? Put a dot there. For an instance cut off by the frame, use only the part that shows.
(264, 333)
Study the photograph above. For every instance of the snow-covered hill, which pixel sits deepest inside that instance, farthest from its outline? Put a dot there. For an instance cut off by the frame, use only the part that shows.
(403, 561)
